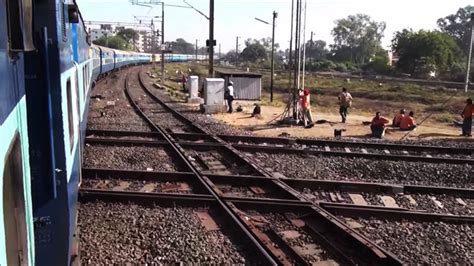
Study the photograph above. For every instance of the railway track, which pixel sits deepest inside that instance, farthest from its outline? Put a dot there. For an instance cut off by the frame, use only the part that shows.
(276, 215)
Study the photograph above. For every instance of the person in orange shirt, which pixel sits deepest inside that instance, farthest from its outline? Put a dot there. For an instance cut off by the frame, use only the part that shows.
(398, 118)
(306, 108)
(408, 122)
(378, 126)
(467, 116)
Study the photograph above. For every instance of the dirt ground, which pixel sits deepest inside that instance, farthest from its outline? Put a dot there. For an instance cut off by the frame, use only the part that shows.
(353, 127)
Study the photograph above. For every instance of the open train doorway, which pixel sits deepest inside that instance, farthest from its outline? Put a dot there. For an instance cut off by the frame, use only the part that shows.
(14, 217)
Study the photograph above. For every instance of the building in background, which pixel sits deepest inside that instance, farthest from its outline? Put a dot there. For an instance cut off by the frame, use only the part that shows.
(147, 40)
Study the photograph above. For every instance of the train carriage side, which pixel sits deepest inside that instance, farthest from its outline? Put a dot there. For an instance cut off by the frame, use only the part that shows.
(121, 58)
(94, 53)
(16, 217)
(57, 93)
(107, 60)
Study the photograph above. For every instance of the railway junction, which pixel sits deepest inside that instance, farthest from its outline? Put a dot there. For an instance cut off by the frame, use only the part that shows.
(163, 183)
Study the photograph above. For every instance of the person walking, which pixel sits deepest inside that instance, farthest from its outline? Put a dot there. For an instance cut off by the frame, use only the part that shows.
(345, 101)
(229, 95)
(306, 108)
(378, 126)
(467, 118)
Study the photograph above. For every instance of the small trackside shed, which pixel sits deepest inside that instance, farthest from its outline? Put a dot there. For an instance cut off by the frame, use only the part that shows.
(247, 86)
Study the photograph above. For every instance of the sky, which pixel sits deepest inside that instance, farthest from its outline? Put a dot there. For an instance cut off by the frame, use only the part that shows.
(237, 18)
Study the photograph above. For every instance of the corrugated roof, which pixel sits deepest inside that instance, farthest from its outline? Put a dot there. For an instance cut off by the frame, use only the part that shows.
(239, 74)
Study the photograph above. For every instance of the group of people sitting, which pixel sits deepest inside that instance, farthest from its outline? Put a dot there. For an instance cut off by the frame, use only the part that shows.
(401, 120)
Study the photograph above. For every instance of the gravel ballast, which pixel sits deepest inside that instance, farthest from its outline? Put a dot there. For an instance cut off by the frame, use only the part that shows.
(115, 233)
(358, 169)
(131, 157)
(434, 243)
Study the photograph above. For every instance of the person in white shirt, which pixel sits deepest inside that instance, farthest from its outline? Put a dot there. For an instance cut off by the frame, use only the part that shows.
(345, 101)
(229, 96)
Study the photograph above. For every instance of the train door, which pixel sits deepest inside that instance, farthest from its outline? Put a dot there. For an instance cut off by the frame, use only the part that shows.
(101, 57)
(115, 59)
(14, 214)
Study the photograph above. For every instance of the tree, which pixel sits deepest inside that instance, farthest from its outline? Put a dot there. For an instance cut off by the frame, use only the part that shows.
(357, 38)
(129, 35)
(316, 50)
(114, 42)
(254, 51)
(457, 26)
(424, 49)
(180, 46)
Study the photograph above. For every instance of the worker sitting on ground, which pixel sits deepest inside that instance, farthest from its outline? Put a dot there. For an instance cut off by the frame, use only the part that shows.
(378, 126)
(257, 111)
(306, 108)
(408, 122)
(398, 118)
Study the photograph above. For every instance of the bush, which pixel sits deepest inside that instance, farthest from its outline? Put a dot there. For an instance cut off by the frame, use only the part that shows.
(378, 65)
(341, 67)
(322, 65)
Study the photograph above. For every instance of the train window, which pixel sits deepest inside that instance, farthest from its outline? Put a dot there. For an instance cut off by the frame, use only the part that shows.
(78, 103)
(70, 112)
(14, 214)
(85, 76)
(63, 22)
(73, 13)
(20, 25)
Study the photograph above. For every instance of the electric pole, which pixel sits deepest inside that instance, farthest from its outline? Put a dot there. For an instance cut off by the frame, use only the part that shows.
(219, 51)
(312, 52)
(196, 50)
(237, 45)
(163, 42)
(469, 57)
(275, 14)
(211, 38)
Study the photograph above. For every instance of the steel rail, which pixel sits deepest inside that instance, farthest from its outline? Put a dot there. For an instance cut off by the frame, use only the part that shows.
(394, 157)
(352, 186)
(358, 211)
(371, 247)
(343, 144)
(270, 259)
(280, 145)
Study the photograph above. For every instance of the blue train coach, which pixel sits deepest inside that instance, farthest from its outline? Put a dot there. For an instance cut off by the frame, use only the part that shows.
(16, 217)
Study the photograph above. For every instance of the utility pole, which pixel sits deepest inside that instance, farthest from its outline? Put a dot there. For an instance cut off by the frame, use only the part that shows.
(211, 38)
(312, 52)
(469, 57)
(219, 51)
(275, 15)
(290, 61)
(196, 50)
(237, 45)
(162, 42)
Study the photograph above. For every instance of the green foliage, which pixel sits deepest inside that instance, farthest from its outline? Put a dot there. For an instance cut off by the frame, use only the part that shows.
(180, 46)
(424, 48)
(379, 64)
(316, 50)
(254, 51)
(356, 38)
(321, 65)
(457, 26)
(341, 67)
(129, 35)
(114, 42)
